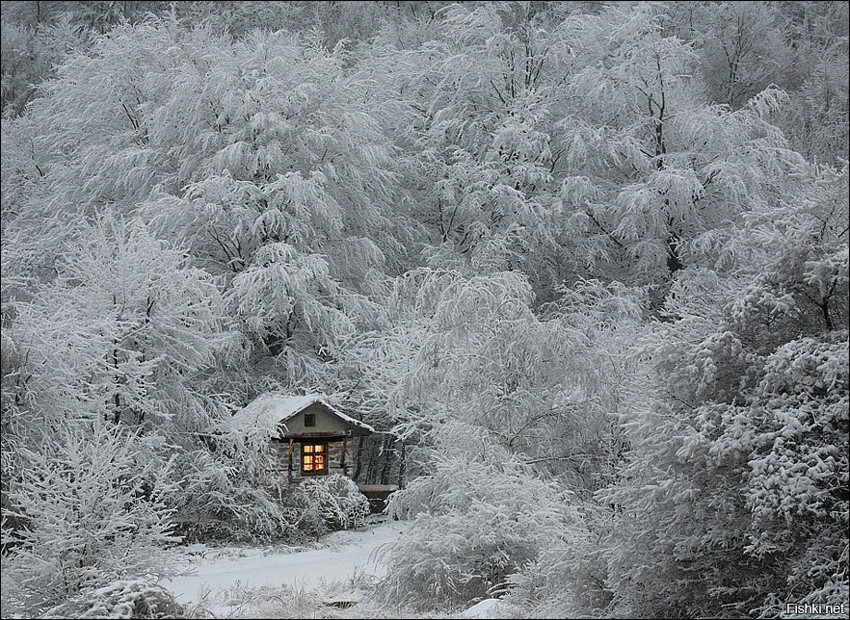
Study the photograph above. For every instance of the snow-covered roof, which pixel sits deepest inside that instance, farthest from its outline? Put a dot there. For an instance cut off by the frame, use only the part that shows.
(272, 409)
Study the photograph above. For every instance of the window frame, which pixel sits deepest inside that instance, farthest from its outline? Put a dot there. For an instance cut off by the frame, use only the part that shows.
(313, 443)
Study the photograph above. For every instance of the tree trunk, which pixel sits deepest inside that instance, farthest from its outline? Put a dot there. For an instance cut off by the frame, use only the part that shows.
(402, 465)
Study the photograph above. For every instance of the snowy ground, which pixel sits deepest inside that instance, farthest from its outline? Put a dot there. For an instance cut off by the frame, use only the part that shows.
(228, 582)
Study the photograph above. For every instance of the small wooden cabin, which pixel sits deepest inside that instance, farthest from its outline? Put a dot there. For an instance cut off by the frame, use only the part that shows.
(313, 438)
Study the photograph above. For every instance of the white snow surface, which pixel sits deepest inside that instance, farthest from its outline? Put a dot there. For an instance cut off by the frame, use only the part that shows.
(339, 557)
(488, 608)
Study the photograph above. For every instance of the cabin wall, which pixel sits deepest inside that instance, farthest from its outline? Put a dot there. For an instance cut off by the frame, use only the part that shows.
(280, 458)
(280, 453)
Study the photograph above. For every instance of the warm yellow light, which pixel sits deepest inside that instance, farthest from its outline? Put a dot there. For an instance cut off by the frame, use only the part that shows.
(313, 457)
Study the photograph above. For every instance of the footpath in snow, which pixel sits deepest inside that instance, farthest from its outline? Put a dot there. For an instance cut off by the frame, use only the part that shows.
(339, 557)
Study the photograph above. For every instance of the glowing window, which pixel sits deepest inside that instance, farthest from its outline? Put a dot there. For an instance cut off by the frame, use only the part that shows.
(314, 459)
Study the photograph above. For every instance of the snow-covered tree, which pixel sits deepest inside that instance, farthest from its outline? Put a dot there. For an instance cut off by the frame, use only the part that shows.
(471, 349)
(90, 509)
(655, 173)
(117, 334)
(475, 130)
(264, 158)
(494, 402)
(29, 56)
(742, 49)
(735, 489)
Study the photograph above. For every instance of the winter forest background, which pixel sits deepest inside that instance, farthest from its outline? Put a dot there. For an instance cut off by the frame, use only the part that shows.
(587, 261)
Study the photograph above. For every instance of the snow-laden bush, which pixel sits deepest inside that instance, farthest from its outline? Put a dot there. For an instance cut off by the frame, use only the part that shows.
(321, 600)
(229, 490)
(221, 499)
(567, 579)
(122, 599)
(328, 504)
(478, 519)
(89, 510)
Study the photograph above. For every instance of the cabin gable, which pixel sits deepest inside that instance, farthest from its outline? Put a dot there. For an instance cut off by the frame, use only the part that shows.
(316, 420)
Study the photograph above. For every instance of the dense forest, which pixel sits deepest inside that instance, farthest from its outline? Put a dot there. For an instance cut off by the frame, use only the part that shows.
(585, 263)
